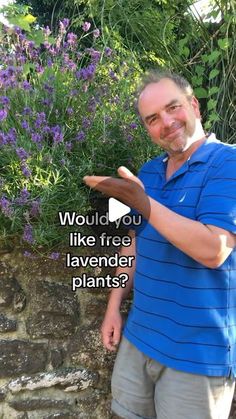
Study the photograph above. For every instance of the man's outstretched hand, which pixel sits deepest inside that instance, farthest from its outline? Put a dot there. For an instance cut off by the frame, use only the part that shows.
(127, 189)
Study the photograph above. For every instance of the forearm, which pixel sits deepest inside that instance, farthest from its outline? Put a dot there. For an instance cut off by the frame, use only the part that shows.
(197, 240)
(117, 295)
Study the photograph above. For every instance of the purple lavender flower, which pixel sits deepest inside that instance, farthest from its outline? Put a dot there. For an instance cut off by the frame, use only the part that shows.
(36, 138)
(96, 33)
(108, 51)
(48, 88)
(40, 120)
(130, 138)
(24, 196)
(35, 208)
(3, 138)
(86, 123)
(113, 75)
(63, 162)
(46, 45)
(86, 73)
(71, 38)
(27, 111)
(4, 100)
(49, 62)
(21, 58)
(133, 125)
(46, 129)
(25, 170)
(11, 136)
(92, 104)
(46, 102)
(30, 44)
(68, 146)
(17, 30)
(86, 26)
(70, 111)
(64, 23)
(3, 114)
(80, 136)
(95, 55)
(47, 31)
(57, 134)
(25, 124)
(73, 92)
(27, 254)
(22, 154)
(39, 68)
(5, 206)
(26, 85)
(28, 234)
(54, 255)
(66, 58)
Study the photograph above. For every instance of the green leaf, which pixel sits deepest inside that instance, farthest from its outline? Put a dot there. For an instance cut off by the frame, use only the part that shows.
(213, 56)
(19, 21)
(200, 92)
(186, 51)
(38, 37)
(224, 43)
(205, 58)
(196, 81)
(207, 125)
(200, 69)
(213, 73)
(214, 117)
(213, 90)
(211, 104)
(30, 18)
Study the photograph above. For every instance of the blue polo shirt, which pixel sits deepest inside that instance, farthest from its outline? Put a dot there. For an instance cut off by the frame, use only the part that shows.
(183, 313)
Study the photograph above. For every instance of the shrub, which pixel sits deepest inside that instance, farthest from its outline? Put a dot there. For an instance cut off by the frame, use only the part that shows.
(65, 112)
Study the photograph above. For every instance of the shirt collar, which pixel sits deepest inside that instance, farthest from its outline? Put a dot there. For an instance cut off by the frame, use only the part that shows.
(202, 153)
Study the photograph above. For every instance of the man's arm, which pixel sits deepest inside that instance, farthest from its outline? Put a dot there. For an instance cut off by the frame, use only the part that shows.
(207, 244)
(112, 323)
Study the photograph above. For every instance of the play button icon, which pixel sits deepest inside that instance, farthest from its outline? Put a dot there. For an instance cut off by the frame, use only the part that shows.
(116, 209)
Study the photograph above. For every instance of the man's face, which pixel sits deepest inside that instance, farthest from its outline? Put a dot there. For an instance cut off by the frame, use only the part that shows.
(169, 116)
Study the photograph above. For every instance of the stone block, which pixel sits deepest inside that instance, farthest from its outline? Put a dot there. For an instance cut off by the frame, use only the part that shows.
(86, 348)
(7, 325)
(69, 379)
(17, 357)
(39, 404)
(57, 357)
(55, 311)
(51, 325)
(65, 415)
(9, 290)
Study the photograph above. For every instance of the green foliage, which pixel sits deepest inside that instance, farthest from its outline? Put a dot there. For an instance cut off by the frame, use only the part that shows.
(206, 57)
(66, 111)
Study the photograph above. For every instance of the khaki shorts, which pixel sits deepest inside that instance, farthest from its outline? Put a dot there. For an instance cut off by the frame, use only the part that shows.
(144, 389)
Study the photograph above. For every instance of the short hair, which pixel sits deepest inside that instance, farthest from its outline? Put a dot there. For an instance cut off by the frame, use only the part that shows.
(154, 76)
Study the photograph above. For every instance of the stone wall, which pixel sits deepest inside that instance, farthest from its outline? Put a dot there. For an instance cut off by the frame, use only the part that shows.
(52, 363)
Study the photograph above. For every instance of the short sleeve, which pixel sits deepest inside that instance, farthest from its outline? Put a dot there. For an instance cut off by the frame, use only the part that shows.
(217, 203)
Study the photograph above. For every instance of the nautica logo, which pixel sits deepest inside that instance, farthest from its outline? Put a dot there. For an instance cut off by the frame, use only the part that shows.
(183, 198)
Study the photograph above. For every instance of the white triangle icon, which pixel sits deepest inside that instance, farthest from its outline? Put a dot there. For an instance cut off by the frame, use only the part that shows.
(116, 209)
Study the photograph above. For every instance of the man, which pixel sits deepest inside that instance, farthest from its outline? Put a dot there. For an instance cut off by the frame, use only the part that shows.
(177, 357)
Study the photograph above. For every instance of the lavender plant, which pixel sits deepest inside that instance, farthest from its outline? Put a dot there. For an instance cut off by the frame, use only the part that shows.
(65, 111)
